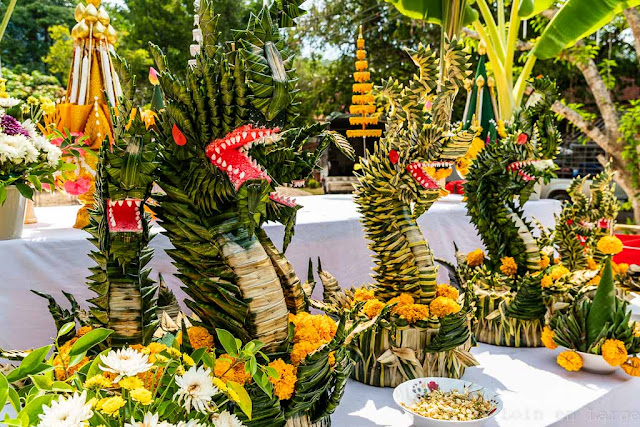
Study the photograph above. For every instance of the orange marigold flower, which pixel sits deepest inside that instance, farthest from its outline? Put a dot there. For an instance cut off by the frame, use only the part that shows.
(558, 271)
(372, 308)
(475, 258)
(592, 264)
(402, 299)
(544, 262)
(509, 266)
(447, 291)
(595, 281)
(547, 338)
(83, 331)
(285, 384)
(623, 267)
(332, 358)
(614, 352)
(156, 347)
(632, 366)
(363, 294)
(200, 337)
(301, 350)
(610, 245)
(546, 281)
(413, 312)
(226, 368)
(442, 306)
(570, 360)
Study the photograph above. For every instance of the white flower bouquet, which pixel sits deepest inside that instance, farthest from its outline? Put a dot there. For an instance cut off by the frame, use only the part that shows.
(81, 382)
(27, 159)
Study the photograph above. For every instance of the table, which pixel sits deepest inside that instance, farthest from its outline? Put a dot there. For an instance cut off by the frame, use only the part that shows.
(52, 256)
(536, 391)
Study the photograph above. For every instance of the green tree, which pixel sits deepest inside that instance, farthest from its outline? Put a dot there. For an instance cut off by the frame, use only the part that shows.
(27, 39)
(58, 58)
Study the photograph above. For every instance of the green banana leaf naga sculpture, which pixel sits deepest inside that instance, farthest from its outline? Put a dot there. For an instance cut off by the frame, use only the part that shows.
(424, 327)
(119, 229)
(510, 307)
(225, 144)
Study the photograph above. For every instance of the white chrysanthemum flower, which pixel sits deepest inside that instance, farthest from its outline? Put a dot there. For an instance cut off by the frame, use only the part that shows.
(125, 363)
(195, 389)
(543, 164)
(190, 423)
(227, 419)
(73, 411)
(9, 102)
(150, 420)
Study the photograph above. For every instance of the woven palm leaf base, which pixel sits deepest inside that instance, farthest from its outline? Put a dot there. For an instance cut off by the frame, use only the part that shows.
(305, 421)
(505, 331)
(397, 366)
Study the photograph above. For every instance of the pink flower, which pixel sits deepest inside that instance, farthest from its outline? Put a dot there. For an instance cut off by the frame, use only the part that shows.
(522, 139)
(433, 386)
(394, 156)
(153, 76)
(77, 187)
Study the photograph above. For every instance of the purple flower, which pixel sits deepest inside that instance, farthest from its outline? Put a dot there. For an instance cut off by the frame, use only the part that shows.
(12, 127)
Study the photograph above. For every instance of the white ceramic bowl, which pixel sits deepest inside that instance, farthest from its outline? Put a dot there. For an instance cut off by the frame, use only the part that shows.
(596, 364)
(410, 392)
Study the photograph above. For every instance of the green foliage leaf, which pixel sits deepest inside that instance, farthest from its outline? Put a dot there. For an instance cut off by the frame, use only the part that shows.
(604, 305)
(4, 390)
(576, 20)
(89, 340)
(66, 328)
(245, 403)
(29, 365)
(228, 341)
(34, 407)
(42, 382)
(25, 190)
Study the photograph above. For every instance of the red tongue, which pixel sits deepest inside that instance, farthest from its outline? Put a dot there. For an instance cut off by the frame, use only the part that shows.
(423, 179)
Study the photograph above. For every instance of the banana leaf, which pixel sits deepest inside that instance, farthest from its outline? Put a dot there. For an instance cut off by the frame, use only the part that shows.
(576, 20)
(430, 10)
(604, 305)
(530, 8)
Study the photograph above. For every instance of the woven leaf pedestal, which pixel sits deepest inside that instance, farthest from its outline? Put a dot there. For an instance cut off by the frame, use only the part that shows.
(496, 328)
(305, 421)
(388, 356)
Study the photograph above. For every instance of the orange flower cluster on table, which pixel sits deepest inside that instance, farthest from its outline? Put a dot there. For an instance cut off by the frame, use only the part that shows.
(285, 384)
(404, 305)
(310, 332)
(547, 338)
(609, 245)
(614, 352)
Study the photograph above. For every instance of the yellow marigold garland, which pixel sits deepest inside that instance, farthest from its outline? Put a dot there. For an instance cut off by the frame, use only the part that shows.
(227, 369)
(570, 360)
(558, 271)
(544, 262)
(614, 352)
(546, 281)
(310, 332)
(412, 312)
(372, 308)
(363, 294)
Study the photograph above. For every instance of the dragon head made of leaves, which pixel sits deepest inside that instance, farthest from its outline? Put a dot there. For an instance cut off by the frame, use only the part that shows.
(504, 175)
(420, 142)
(230, 122)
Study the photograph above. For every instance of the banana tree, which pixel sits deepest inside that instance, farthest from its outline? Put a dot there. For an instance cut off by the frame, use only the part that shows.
(574, 20)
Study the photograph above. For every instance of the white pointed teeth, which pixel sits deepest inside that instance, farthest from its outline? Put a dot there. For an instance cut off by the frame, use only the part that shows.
(229, 168)
(242, 175)
(129, 203)
(253, 135)
(244, 135)
(219, 161)
(224, 164)
(120, 202)
(138, 202)
(217, 150)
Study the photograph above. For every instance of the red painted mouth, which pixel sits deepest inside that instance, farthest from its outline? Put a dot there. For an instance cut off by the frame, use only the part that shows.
(125, 216)
(227, 155)
(286, 201)
(537, 165)
(416, 170)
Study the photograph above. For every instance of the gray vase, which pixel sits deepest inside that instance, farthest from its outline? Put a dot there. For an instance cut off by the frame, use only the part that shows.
(12, 214)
